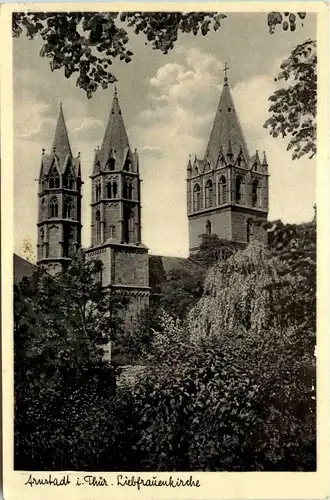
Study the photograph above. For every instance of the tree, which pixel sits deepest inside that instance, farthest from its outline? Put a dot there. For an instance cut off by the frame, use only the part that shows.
(61, 325)
(55, 314)
(135, 343)
(240, 293)
(285, 19)
(265, 310)
(212, 249)
(181, 290)
(293, 107)
(232, 389)
(295, 244)
(87, 42)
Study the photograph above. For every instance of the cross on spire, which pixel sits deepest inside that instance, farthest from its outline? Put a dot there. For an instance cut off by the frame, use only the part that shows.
(225, 69)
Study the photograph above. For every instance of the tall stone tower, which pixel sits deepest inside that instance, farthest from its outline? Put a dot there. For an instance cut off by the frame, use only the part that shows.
(227, 190)
(116, 216)
(59, 197)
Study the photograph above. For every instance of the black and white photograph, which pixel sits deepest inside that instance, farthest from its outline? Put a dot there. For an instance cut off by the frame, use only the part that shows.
(164, 243)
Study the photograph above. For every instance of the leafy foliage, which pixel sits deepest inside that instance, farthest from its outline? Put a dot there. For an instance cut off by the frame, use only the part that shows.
(237, 396)
(284, 19)
(136, 343)
(293, 107)
(54, 314)
(87, 42)
(212, 249)
(228, 389)
(61, 325)
(240, 293)
(181, 290)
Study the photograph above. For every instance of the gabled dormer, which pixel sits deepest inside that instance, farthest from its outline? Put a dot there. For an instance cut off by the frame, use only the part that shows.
(240, 160)
(189, 167)
(196, 167)
(221, 162)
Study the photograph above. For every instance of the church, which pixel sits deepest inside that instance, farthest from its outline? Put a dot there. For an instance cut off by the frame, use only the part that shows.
(227, 195)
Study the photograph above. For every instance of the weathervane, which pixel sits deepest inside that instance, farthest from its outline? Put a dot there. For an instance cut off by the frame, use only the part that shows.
(225, 69)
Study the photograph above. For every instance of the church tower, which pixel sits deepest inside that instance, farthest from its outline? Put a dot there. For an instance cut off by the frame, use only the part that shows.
(227, 190)
(116, 215)
(59, 198)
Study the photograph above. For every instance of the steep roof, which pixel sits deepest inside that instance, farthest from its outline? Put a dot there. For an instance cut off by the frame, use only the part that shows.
(160, 266)
(226, 131)
(115, 142)
(61, 144)
(22, 268)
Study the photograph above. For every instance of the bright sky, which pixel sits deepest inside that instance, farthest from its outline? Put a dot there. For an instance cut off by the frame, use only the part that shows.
(168, 104)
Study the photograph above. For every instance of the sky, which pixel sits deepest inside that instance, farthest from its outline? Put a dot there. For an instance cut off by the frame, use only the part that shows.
(168, 104)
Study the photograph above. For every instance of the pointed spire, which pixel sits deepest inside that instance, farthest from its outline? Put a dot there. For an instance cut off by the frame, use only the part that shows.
(189, 166)
(226, 131)
(115, 138)
(264, 160)
(61, 144)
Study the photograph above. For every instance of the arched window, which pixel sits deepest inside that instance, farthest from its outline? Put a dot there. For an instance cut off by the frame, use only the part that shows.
(68, 209)
(124, 188)
(208, 227)
(209, 194)
(108, 189)
(68, 181)
(69, 238)
(197, 197)
(239, 190)
(53, 207)
(130, 190)
(249, 231)
(131, 228)
(127, 164)
(256, 194)
(98, 226)
(114, 189)
(42, 240)
(222, 190)
(112, 164)
(42, 208)
(97, 191)
(112, 231)
(54, 179)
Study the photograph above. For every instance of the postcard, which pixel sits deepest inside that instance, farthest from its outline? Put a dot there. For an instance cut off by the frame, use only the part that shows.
(165, 250)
